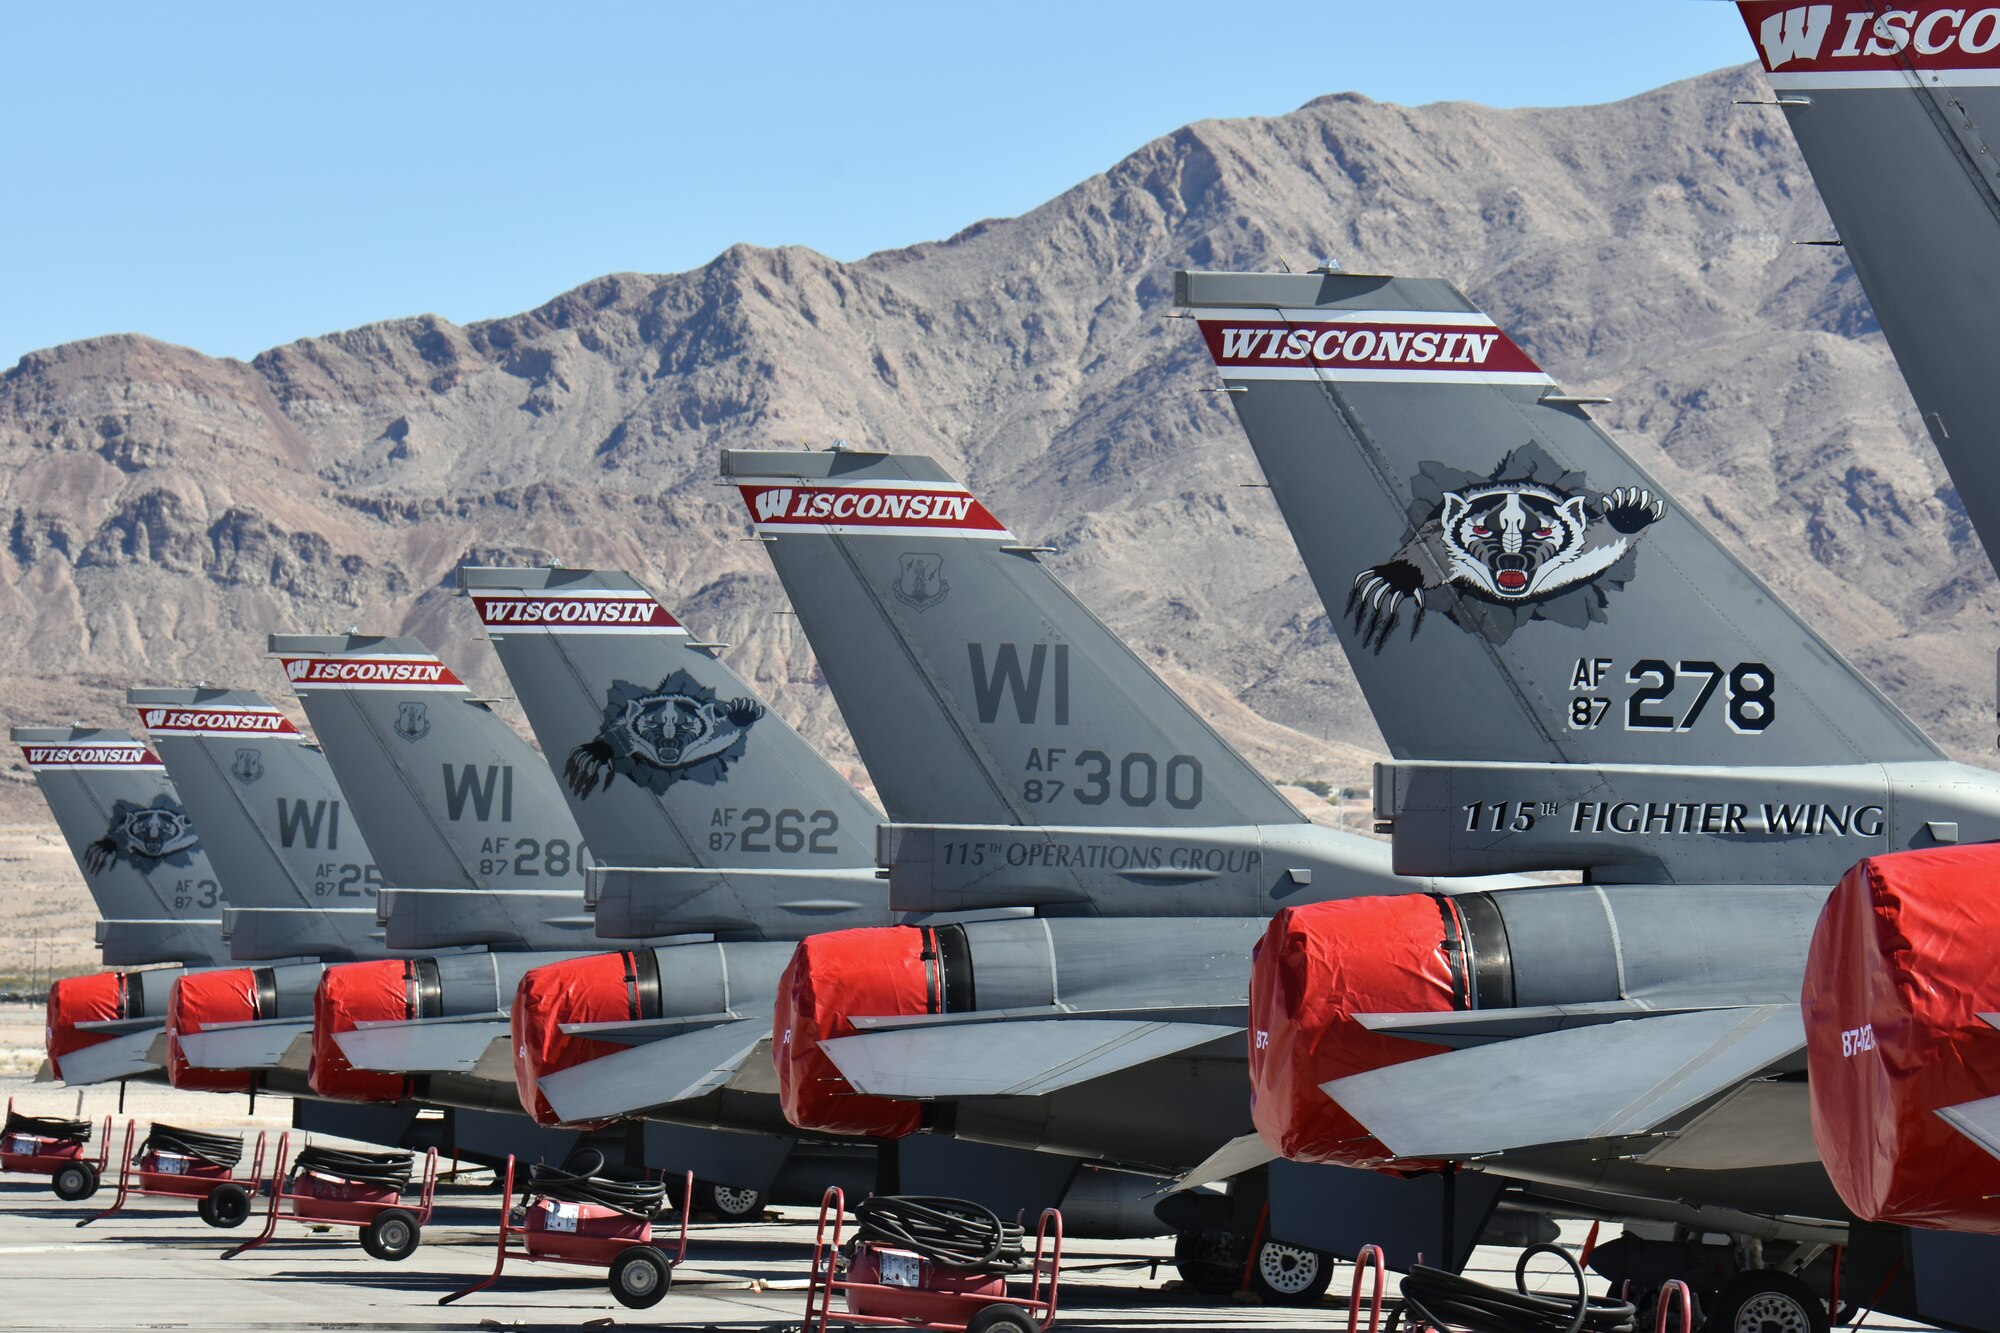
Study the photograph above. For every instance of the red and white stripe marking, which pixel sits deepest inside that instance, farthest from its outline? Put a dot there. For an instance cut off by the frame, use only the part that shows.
(242, 720)
(122, 756)
(596, 612)
(1395, 346)
(1859, 44)
(870, 508)
(378, 672)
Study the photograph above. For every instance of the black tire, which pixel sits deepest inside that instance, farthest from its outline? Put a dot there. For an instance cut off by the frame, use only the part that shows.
(728, 1202)
(226, 1207)
(640, 1277)
(1289, 1274)
(1209, 1261)
(393, 1236)
(1766, 1302)
(74, 1182)
(1003, 1319)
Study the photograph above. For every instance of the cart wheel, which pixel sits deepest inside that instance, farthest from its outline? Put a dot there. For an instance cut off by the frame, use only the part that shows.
(225, 1206)
(639, 1276)
(1003, 1319)
(394, 1235)
(1290, 1274)
(726, 1202)
(76, 1181)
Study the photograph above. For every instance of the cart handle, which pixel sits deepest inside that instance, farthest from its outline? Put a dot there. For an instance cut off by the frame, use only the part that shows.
(819, 1280)
(277, 1196)
(500, 1249)
(1672, 1290)
(1369, 1257)
(124, 1176)
(1051, 1221)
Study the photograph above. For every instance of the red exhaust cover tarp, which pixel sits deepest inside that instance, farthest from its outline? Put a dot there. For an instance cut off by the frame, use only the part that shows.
(832, 979)
(348, 996)
(200, 1000)
(99, 997)
(1317, 966)
(1901, 966)
(600, 988)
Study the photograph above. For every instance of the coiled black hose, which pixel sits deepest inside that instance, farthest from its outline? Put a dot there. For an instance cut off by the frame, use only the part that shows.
(956, 1233)
(216, 1149)
(46, 1127)
(633, 1198)
(382, 1170)
(1446, 1300)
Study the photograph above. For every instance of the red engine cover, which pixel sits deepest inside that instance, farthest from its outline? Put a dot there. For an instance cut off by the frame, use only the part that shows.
(1901, 966)
(349, 995)
(100, 997)
(1317, 966)
(199, 1000)
(600, 988)
(832, 979)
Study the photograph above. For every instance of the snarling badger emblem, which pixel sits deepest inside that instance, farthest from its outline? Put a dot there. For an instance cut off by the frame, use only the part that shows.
(1528, 542)
(145, 835)
(676, 731)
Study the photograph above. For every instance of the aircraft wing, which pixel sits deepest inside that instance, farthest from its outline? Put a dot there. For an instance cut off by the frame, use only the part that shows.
(1476, 1027)
(1978, 1121)
(452, 1046)
(1526, 1093)
(261, 1045)
(637, 1032)
(659, 1073)
(1020, 1058)
(121, 1057)
(118, 1026)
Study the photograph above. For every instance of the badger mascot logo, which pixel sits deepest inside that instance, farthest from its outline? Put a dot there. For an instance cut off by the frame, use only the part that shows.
(1529, 541)
(677, 731)
(144, 835)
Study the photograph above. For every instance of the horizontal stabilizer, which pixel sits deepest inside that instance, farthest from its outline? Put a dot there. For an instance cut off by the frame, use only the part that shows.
(1231, 1159)
(250, 1045)
(1020, 1059)
(630, 1032)
(1978, 1121)
(422, 1048)
(119, 1026)
(1522, 1093)
(122, 1057)
(1477, 1027)
(659, 1073)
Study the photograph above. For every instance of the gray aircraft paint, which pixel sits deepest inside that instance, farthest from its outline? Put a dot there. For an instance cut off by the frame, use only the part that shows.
(1899, 130)
(138, 851)
(704, 810)
(297, 877)
(466, 822)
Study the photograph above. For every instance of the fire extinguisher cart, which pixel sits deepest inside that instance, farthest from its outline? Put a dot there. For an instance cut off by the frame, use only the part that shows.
(592, 1221)
(946, 1264)
(188, 1164)
(55, 1147)
(337, 1187)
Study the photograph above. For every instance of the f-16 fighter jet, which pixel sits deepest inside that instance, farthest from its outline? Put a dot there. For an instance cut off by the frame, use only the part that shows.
(1572, 675)
(148, 874)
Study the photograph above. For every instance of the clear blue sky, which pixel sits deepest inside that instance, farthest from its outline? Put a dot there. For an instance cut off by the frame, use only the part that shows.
(233, 176)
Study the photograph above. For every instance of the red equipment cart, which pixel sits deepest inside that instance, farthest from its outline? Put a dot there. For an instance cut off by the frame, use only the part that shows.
(222, 1198)
(66, 1161)
(592, 1235)
(885, 1285)
(388, 1229)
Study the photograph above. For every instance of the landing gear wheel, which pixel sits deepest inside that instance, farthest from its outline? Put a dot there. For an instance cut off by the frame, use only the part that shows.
(1290, 1274)
(394, 1235)
(1209, 1261)
(1003, 1319)
(727, 1202)
(639, 1277)
(74, 1182)
(225, 1207)
(1767, 1302)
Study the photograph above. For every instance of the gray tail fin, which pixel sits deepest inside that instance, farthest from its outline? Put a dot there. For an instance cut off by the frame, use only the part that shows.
(449, 795)
(278, 832)
(141, 858)
(660, 744)
(977, 688)
(1901, 129)
(1507, 584)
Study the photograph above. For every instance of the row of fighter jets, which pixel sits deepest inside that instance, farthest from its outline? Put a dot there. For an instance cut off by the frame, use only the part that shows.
(1091, 955)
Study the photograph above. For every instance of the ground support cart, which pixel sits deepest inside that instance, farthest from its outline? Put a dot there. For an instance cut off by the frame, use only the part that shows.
(166, 1166)
(320, 1194)
(593, 1235)
(885, 1284)
(55, 1148)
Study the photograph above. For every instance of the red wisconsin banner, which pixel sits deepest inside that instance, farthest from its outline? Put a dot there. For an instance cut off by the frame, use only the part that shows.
(1861, 37)
(1360, 345)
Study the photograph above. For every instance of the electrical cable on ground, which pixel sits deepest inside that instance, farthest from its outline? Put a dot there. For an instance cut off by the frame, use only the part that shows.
(955, 1233)
(46, 1127)
(216, 1149)
(633, 1198)
(1447, 1301)
(382, 1170)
